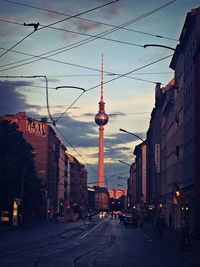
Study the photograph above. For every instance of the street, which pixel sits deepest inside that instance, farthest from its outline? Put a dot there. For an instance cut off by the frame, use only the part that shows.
(104, 242)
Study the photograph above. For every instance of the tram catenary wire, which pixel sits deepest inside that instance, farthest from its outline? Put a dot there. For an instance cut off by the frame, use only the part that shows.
(103, 33)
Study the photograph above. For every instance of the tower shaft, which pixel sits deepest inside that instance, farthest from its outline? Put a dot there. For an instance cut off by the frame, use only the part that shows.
(101, 178)
(101, 119)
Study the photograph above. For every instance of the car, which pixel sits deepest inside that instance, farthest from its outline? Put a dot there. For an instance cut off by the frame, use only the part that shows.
(130, 220)
(102, 214)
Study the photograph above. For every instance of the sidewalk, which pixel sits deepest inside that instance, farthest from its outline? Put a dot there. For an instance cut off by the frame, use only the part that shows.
(171, 242)
(26, 225)
(38, 224)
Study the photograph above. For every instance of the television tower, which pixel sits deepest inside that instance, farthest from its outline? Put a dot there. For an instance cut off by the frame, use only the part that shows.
(101, 119)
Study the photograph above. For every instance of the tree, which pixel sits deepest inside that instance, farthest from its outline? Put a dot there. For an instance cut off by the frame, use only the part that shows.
(16, 161)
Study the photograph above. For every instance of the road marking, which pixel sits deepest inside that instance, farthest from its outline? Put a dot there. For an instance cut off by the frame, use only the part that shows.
(90, 230)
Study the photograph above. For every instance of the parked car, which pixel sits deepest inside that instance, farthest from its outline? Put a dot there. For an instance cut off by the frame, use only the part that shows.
(130, 220)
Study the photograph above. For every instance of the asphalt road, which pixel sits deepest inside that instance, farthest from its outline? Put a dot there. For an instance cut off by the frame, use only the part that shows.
(103, 243)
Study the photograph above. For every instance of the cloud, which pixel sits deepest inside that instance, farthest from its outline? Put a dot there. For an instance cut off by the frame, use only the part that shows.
(82, 135)
(112, 10)
(86, 132)
(86, 26)
(115, 10)
(46, 4)
(12, 101)
(10, 31)
(113, 154)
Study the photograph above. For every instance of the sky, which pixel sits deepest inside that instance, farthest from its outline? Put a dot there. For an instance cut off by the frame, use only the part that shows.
(66, 50)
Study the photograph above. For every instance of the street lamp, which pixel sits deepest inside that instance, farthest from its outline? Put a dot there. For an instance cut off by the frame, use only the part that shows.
(123, 162)
(67, 87)
(157, 45)
(70, 86)
(122, 130)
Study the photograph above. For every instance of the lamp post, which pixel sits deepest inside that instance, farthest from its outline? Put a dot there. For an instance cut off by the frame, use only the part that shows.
(125, 131)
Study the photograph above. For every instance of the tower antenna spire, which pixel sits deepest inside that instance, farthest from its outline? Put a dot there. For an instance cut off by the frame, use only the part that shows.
(102, 77)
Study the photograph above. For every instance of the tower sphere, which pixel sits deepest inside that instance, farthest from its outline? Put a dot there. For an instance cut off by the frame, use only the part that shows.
(101, 118)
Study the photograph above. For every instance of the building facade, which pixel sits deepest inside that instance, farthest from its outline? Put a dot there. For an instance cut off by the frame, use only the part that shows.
(76, 187)
(101, 198)
(141, 179)
(117, 193)
(185, 63)
(64, 177)
(131, 189)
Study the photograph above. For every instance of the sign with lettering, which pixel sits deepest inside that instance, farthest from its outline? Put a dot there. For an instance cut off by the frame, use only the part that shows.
(35, 127)
(157, 158)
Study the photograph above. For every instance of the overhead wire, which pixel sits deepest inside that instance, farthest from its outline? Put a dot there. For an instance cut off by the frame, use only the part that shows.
(94, 87)
(72, 64)
(90, 20)
(56, 22)
(106, 74)
(33, 56)
(95, 37)
(24, 38)
(120, 76)
(129, 72)
(80, 43)
(47, 94)
(49, 26)
(70, 106)
(89, 35)
(21, 84)
(78, 153)
(66, 140)
(75, 65)
(79, 14)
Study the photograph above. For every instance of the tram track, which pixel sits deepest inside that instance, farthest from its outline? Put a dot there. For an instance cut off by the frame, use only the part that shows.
(50, 241)
(107, 243)
(82, 239)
